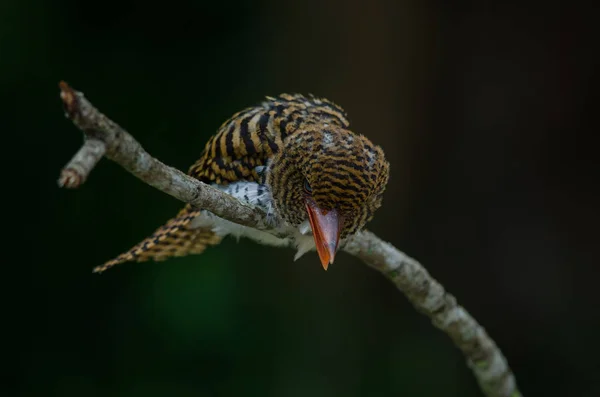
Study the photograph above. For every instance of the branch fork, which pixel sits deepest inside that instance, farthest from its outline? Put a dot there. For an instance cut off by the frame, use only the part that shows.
(105, 138)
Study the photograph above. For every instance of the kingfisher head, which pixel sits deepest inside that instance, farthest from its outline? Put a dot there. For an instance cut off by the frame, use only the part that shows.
(331, 177)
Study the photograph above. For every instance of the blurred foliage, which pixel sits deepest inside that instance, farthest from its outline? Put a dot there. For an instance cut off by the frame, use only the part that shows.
(483, 110)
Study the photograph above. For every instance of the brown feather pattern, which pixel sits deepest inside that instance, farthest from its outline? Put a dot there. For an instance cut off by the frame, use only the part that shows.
(296, 138)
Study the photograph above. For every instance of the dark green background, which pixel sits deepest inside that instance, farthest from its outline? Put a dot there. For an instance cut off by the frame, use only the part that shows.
(485, 113)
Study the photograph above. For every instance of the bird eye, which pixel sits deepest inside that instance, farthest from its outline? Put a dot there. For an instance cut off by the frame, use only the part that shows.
(307, 187)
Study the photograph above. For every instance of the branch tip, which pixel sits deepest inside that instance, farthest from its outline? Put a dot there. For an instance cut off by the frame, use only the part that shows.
(69, 98)
(70, 179)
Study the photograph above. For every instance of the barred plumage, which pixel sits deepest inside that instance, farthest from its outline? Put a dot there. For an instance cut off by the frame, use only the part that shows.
(250, 137)
(287, 143)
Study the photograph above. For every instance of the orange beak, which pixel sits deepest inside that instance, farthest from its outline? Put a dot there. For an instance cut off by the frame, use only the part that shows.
(326, 231)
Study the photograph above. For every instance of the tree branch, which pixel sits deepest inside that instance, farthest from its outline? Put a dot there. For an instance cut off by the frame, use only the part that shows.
(103, 137)
(429, 297)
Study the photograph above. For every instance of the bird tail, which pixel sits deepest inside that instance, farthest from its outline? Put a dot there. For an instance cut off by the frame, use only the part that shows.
(174, 238)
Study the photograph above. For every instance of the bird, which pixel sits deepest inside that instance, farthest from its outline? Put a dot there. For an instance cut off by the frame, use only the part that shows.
(295, 157)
